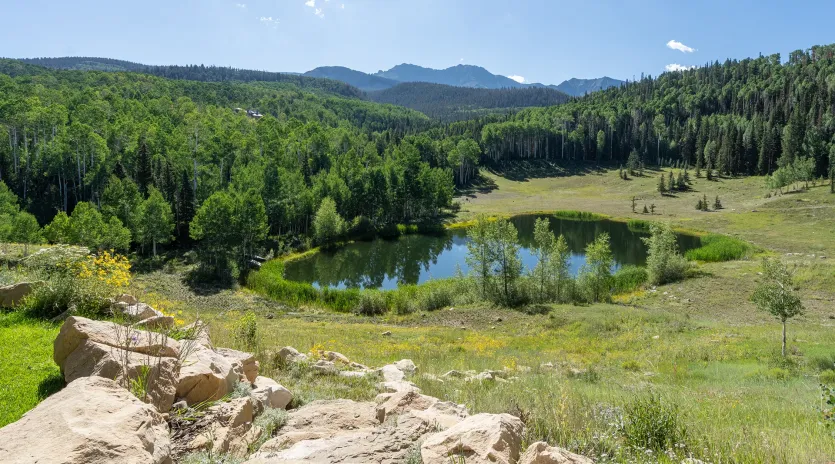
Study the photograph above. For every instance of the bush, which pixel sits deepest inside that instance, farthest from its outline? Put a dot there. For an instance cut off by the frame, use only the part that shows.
(664, 263)
(270, 421)
(638, 225)
(246, 330)
(717, 248)
(628, 279)
(578, 215)
(649, 423)
(828, 377)
(822, 362)
(361, 228)
(371, 303)
(432, 296)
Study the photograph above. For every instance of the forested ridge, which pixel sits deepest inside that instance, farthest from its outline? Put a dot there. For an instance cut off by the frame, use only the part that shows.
(738, 117)
(448, 103)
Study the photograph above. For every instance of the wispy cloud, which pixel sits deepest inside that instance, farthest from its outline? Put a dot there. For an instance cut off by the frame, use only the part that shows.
(310, 3)
(321, 6)
(518, 79)
(677, 67)
(241, 5)
(319, 13)
(269, 21)
(676, 45)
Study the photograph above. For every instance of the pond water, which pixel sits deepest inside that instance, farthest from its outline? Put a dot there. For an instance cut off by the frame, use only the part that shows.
(412, 259)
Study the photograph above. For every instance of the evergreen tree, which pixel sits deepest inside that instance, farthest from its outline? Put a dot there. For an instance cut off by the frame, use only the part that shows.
(144, 173)
(662, 187)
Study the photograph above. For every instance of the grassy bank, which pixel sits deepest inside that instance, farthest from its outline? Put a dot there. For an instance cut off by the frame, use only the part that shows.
(27, 372)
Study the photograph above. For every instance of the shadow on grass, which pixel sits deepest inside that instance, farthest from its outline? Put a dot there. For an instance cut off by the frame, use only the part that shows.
(480, 184)
(50, 385)
(524, 170)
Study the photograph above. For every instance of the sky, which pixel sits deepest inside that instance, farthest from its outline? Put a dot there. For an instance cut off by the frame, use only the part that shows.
(544, 41)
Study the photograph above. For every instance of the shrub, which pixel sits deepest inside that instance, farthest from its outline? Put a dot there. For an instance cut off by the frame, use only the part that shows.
(828, 377)
(241, 390)
(664, 263)
(650, 423)
(822, 362)
(628, 279)
(246, 330)
(638, 225)
(371, 303)
(270, 421)
(436, 296)
(717, 248)
(578, 215)
(361, 228)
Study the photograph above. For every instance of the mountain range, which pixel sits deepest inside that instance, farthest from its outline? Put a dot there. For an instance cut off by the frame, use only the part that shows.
(457, 76)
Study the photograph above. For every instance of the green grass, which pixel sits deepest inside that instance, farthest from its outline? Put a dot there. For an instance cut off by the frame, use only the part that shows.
(579, 215)
(638, 225)
(718, 248)
(629, 278)
(27, 372)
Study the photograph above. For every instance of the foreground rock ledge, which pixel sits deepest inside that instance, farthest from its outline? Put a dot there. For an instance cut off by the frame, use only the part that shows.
(93, 420)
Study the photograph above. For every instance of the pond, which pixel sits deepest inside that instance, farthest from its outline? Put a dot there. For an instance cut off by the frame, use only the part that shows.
(412, 259)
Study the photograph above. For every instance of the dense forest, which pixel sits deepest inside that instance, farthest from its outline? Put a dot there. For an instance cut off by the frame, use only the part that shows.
(448, 103)
(739, 117)
(110, 140)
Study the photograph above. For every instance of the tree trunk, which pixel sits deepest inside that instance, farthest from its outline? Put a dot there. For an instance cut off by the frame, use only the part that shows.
(784, 338)
(155, 248)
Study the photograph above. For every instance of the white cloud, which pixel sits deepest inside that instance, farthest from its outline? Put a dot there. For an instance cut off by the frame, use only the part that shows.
(342, 6)
(518, 79)
(269, 21)
(676, 45)
(319, 13)
(310, 3)
(241, 5)
(678, 67)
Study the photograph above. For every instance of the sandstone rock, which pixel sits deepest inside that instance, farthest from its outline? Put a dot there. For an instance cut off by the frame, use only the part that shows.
(230, 430)
(387, 333)
(236, 412)
(134, 312)
(335, 357)
(541, 453)
(479, 439)
(333, 415)
(392, 373)
(126, 298)
(13, 295)
(389, 404)
(156, 322)
(324, 367)
(94, 359)
(398, 386)
(407, 366)
(289, 355)
(444, 414)
(387, 444)
(205, 375)
(245, 362)
(91, 421)
(266, 392)
(77, 329)
(453, 374)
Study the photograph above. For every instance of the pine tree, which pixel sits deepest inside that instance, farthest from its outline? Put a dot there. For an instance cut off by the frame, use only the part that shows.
(144, 172)
(633, 204)
(652, 208)
(717, 205)
(662, 188)
(681, 185)
(646, 211)
(704, 203)
(700, 205)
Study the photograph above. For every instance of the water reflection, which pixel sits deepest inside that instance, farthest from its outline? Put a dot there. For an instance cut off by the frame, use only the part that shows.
(418, 258)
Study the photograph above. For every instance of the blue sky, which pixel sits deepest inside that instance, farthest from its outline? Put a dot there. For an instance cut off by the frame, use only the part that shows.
(541, 40)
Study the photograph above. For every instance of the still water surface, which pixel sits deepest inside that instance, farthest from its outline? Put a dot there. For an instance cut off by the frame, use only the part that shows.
(412, 259)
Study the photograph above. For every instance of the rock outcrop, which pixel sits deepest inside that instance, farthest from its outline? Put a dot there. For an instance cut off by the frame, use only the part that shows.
(93, 420)
(78, 329)
(245, 363)
(134, 312)
(157, 376)
(13, 295)
(479, 439)
(541, 453)
(267, 393)
(206, 375)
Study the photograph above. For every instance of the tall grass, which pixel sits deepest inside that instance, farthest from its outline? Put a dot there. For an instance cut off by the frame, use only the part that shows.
(638, 225)
(628, 279)
(717, 248)
(579, 215)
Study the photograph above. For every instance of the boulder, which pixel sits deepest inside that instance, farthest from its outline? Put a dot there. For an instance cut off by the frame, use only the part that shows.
(91, 421)
(13, 295)
(541, 453)
(244, 362)
(134, 312)
(386, 444)
(205, 375)
(398, 386)
(94, 359)
(289, 355)
(407, 366)
(267, 393)
(392, 373)
(479, 439)
(126, 298)
(444, 413)
(78, 329)
(335, 357)
(156, 323)
(324, 367)
(230, 431)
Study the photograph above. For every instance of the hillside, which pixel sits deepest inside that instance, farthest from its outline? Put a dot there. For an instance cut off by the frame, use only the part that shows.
(357, 79)
(459, 76)
(448, 103)
(197, 73)
(579, 87)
